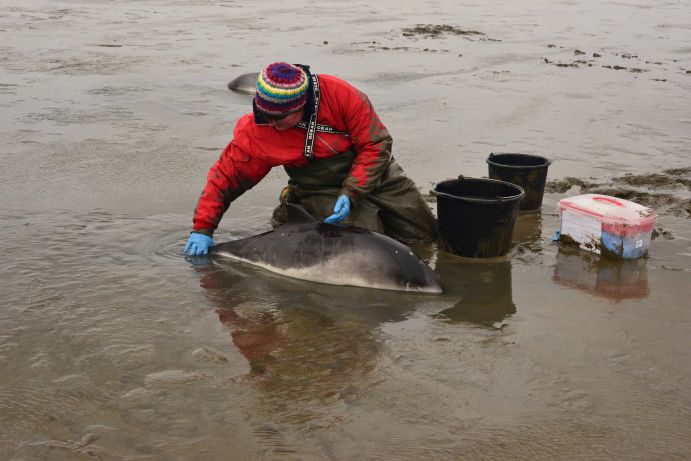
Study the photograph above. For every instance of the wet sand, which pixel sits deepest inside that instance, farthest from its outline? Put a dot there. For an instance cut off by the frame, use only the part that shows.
(113, 346)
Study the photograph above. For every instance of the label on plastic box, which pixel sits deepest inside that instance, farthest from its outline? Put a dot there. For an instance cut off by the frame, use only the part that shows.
(583, 229)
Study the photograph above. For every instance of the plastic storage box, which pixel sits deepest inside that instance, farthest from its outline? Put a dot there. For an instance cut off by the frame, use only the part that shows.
(604, 224)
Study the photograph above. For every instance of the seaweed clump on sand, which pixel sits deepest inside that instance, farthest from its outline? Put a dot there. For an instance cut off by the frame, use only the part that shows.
(561, 186)
(651, 200)
(670, 178)
(436, 31)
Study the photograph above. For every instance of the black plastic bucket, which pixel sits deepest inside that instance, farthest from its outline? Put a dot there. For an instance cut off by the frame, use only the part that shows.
(476, 216)
(526, 171)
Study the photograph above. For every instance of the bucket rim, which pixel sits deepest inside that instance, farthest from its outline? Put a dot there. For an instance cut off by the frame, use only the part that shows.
(510, 198)
(546, 162)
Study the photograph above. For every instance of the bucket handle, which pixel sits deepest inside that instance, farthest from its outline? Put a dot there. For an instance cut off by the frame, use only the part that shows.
(547, 163)
(480, 200)
(475, 199)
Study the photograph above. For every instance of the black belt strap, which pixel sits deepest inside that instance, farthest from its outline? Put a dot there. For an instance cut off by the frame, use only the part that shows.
(321, 128)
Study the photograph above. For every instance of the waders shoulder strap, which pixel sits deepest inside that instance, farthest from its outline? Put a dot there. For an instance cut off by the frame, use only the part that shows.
(312, 126)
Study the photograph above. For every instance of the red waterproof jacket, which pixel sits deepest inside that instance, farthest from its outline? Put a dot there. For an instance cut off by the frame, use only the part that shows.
(256, 148)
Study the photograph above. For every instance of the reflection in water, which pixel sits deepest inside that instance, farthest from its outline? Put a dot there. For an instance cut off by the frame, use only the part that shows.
(483, 287)
(527, 237)
(616, 279)
(528, 227)
(307, 344)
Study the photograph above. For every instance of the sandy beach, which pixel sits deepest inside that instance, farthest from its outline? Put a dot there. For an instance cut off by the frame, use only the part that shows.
(114, 346)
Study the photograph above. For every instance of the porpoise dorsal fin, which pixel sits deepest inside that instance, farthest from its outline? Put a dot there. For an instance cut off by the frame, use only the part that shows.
(298, 215)
(245, 83)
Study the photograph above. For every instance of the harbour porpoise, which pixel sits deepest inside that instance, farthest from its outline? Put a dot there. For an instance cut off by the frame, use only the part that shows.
(244, 84)
(308, 249)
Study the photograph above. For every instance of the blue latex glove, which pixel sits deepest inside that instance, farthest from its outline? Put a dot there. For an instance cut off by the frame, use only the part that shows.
(198, 244)
(341, 210)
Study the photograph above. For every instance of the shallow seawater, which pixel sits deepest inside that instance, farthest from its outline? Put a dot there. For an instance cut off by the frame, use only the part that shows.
(113, 345)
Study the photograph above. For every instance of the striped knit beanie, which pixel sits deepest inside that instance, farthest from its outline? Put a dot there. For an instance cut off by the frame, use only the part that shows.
(281, 89)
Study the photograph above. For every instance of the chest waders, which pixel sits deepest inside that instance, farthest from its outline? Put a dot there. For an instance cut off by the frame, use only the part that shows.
(395, 207)
(323, 178)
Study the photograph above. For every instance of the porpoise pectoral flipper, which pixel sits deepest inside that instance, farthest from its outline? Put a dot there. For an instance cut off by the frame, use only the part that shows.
(309, 249)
